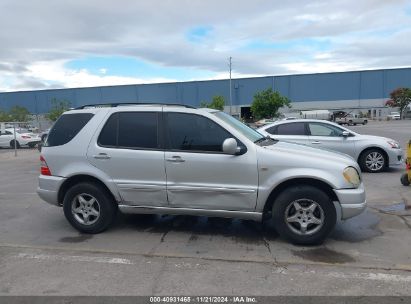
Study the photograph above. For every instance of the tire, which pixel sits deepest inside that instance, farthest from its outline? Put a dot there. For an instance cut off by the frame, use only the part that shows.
(365, 122)
(12, 144)
(373, 161)
(299, 199)
(404, 180)
(92, 216)
(350, 122)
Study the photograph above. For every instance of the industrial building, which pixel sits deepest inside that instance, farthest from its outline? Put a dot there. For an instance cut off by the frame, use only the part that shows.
(365, 91)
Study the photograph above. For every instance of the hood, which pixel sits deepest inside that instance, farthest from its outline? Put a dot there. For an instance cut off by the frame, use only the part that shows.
(375, 138)
(305, 152)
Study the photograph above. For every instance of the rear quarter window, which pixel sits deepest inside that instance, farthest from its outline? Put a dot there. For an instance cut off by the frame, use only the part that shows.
(66, 128)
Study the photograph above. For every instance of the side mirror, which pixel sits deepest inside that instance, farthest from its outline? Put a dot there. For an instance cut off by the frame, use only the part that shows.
(345, 133)
(230, 146)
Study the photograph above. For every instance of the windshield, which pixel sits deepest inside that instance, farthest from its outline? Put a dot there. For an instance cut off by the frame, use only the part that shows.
(251, 134)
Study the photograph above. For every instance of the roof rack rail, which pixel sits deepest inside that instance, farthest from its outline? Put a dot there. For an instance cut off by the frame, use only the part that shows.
(113, 105)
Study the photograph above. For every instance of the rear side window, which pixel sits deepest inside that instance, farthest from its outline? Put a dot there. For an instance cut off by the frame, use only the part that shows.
(296, 128)
(66, 128)
(132, 130)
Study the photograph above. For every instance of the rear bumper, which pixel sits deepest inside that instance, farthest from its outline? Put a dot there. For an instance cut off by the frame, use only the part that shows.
(352, 201)
(48, 188)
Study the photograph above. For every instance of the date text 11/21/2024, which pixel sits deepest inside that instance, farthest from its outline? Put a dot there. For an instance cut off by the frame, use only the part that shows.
(203, 299)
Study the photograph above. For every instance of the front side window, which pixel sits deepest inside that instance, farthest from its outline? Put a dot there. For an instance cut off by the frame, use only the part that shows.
(133, 130)
(296, 128)
(319, 129)
(194, 133)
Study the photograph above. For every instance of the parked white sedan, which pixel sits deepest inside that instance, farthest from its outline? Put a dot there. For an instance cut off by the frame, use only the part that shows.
(373, 153)
(22, 138)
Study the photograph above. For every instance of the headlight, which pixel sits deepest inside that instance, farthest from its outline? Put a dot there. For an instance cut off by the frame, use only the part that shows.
(394, 144)
(351, 175)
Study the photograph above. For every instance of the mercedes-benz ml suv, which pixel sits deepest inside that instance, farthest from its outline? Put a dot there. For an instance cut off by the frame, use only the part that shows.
(174, 159)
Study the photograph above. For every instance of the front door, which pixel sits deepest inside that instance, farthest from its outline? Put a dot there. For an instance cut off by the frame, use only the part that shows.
(326, 136)
(128, 150)
(199, 174)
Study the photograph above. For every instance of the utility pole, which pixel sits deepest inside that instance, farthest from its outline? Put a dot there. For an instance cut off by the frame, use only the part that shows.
(231, 97)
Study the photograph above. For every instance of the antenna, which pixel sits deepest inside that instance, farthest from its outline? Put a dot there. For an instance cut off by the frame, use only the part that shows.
(231, 98)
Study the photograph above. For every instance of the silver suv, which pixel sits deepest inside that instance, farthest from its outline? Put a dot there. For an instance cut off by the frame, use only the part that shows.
(174, 159)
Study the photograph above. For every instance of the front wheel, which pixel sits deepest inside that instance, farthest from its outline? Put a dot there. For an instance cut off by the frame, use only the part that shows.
(373, 160)
(304, 215)
(89, 208)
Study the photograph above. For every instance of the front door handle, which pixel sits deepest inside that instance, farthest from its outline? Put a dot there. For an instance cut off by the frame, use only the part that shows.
(175, 159)
(316, 142)
(101, 156)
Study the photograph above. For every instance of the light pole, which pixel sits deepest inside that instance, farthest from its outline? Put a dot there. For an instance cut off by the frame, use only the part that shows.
(231, 98)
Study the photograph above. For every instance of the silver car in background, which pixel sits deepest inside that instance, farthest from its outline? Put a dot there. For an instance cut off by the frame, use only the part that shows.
(373, 153)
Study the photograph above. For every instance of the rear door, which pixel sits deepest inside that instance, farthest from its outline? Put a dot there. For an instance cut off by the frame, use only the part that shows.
(291, 131)
(5, 138)
(129, 150)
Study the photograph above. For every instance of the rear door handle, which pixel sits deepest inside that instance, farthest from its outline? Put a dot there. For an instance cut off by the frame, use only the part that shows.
(316, 142)
(175, 159)
(101, 156)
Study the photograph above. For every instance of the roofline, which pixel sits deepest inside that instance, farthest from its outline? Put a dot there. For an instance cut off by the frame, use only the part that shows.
(207, 80)
(114, 105)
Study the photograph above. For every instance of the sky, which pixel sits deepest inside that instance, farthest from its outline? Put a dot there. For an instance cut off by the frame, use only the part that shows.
(59, 44)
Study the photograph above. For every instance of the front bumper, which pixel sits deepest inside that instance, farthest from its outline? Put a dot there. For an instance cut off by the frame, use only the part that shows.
(396, 157)
(352, 201)
(49, 187)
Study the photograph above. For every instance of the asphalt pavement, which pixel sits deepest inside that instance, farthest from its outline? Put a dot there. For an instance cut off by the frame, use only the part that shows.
(41, 254)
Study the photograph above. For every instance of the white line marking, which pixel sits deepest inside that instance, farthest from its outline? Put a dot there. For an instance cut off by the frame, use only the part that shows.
(372, 276)
(75, 258)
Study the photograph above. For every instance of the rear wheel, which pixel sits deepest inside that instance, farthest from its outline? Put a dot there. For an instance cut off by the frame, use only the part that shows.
(405, 180)
(12, 145)
(304, 215)
(89, 208)
(373, 160)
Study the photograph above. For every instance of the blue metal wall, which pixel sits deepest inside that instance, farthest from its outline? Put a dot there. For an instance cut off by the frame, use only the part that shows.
(299, 88)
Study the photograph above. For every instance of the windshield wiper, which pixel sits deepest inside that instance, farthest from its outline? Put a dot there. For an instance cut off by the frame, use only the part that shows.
(266, 138)
(260, 140)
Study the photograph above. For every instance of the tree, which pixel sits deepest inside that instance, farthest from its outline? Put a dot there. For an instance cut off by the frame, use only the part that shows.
(266, 104)
(216, 103)
(18, 113)
(58, 107)
(400, 98)
(4, 116)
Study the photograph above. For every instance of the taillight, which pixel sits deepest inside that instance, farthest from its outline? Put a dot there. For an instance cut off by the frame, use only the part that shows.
(25, 137)
(44, 169)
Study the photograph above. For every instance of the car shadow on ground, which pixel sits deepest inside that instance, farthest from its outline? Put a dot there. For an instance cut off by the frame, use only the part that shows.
(357, 229)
